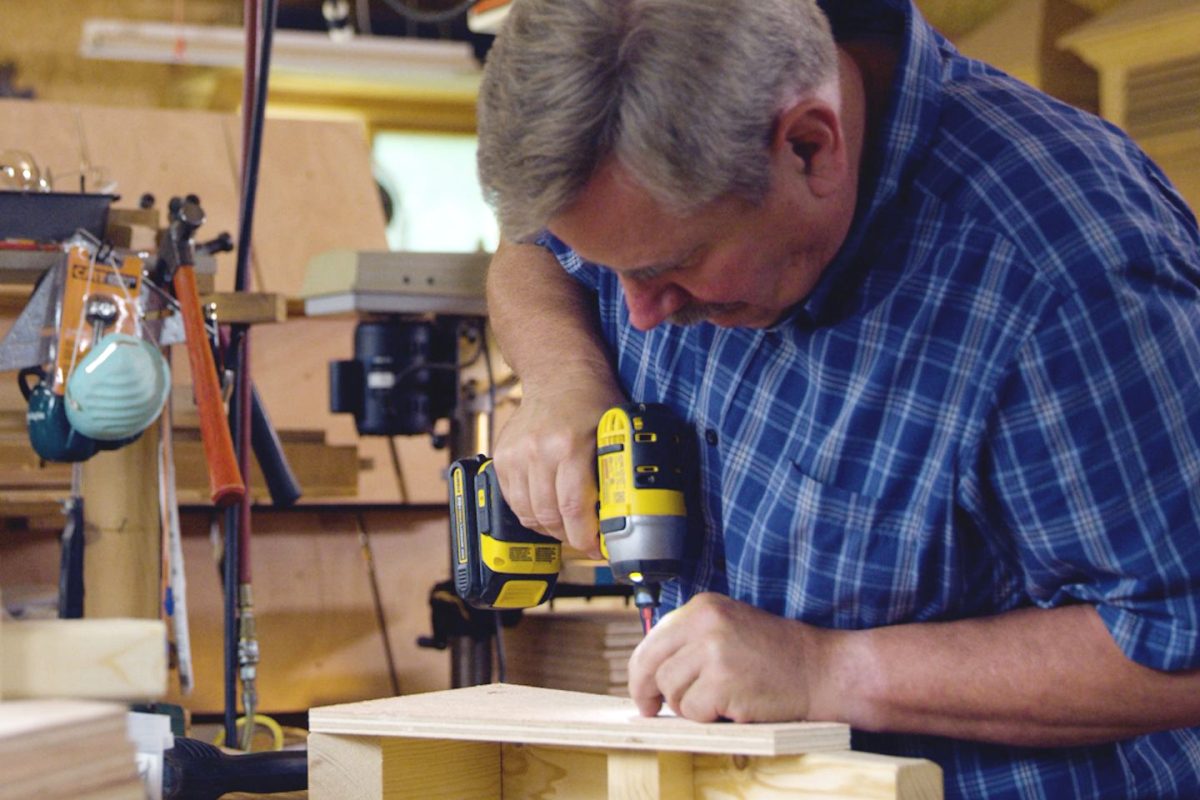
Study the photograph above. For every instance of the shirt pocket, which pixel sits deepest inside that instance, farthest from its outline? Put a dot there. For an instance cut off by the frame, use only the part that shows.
(841, 558)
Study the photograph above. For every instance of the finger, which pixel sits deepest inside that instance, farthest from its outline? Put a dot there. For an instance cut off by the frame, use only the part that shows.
(576, 488)
(658, 646)
(513, 475)
(543, 503)
(701, 700)
(676, 678)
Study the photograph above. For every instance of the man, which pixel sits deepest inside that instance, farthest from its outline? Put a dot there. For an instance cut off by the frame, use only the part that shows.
(937, 334)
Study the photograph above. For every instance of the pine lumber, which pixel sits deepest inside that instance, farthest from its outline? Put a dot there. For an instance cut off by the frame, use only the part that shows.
(98, 659)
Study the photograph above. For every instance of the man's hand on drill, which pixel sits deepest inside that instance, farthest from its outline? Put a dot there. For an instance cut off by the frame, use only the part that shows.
(716, 658)
(545, 460)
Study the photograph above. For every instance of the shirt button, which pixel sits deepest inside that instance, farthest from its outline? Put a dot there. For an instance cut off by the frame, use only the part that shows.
(710, 436)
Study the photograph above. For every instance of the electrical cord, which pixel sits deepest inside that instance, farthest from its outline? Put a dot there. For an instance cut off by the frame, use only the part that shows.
(429, 17)
(401, 482)
(275, 729)
(373, 579)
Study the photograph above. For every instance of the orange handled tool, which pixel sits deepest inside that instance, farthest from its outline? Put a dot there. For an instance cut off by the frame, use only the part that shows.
(224, 477)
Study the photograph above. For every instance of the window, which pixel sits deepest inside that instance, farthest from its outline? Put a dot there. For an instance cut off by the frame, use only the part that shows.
(437, 204)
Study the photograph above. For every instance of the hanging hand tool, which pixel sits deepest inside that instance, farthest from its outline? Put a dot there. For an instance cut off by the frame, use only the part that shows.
(500, 564)
(225, 479)
(70, 574)
(175, 578)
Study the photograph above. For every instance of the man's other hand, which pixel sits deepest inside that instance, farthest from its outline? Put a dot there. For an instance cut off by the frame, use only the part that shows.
(716, 658)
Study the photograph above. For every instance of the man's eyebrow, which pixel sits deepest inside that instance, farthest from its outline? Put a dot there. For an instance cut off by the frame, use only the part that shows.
(649, 271)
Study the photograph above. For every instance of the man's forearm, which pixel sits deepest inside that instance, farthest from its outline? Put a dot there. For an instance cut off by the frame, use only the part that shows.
(543, 320)
(1031, 677)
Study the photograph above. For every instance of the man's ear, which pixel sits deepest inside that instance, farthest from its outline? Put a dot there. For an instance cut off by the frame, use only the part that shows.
(809, 135)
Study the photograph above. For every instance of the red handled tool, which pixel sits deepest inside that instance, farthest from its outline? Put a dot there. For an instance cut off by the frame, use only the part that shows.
(224, 476)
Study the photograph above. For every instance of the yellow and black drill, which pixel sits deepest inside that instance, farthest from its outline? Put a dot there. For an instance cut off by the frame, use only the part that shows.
(501, 564)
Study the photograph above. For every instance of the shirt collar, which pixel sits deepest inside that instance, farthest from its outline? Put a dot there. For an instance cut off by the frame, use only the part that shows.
(907, 129)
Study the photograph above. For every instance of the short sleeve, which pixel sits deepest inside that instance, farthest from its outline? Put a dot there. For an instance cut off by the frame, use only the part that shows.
(1093, 460)
(583, 271)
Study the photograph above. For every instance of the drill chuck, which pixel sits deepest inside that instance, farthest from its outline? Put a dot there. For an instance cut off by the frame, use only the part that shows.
(644, 548)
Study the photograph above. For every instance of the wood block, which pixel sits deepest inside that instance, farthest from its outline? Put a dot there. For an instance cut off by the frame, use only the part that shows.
(846, 776)
(506, 713)
(248, 308)
(114, 659)
(545, 772)
(352, 767)
(633, 775)
(124, 551)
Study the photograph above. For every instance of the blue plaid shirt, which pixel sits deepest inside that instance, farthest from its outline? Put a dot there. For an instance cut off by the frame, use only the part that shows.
(989, 402)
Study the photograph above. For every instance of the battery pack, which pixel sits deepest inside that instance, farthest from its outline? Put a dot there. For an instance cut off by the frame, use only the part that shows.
(498, 562)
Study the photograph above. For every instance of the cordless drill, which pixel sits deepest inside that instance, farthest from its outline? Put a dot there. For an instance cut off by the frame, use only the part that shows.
(500, 564)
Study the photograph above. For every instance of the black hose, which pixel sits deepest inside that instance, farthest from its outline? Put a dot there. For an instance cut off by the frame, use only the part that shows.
(195, 770)
(262, 76)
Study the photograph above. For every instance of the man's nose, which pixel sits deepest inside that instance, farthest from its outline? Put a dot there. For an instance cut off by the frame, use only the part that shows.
(650, 303)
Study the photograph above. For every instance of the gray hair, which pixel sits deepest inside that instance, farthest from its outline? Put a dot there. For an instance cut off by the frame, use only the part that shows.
(684, 93)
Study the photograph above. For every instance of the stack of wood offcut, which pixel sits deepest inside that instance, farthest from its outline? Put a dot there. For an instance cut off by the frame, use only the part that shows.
(577, 648)
(60, 749)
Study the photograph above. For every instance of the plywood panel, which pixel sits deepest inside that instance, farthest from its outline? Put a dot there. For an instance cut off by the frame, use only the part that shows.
(315, 193)
(506, 713)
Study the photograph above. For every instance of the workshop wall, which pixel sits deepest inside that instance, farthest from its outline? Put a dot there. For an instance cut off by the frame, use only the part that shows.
(42, 40)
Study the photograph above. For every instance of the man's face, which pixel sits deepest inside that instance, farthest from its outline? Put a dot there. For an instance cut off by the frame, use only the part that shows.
(733, 264)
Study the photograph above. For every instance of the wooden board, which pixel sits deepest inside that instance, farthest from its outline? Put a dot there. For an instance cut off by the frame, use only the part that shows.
(506, 713)
(108, 659)
(66, 749)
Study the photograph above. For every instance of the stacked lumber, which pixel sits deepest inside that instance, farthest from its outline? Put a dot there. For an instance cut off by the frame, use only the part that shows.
(51, 749)
(580, 650)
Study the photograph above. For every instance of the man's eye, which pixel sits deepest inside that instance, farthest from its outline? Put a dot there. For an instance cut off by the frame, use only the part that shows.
(651, 273)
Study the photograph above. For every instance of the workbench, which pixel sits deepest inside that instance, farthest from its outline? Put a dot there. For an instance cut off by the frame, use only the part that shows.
(504, 741)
